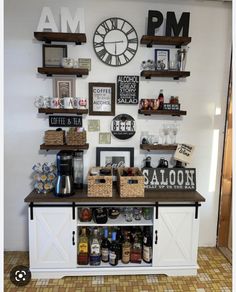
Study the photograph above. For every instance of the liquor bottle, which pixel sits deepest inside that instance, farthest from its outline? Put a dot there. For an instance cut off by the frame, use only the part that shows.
(105, 245)
(147, 245)
(126, 246)
(83, 248)
(119, 241)
(161, 99)
(136, 251)
(114, 250)
(95, 249)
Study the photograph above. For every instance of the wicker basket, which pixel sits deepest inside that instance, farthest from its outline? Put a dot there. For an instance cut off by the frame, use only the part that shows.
(130, 186)
(99, 185)
(53, 137)
(75, 138)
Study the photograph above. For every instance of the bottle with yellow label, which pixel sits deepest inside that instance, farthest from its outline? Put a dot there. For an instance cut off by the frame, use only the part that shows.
(83, 248)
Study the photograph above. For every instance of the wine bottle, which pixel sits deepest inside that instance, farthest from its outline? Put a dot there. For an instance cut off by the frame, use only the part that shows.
(83, 245)
(147, 245)
(119, 241)
(105, 245)
(95, 250)
(114, 251)
(161, 99)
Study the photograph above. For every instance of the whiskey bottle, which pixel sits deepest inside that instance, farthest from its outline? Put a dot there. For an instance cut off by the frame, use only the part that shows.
(114, 251)
(136, 251)
(147, 245)
(83, 247)
(161, 99)
(105, 245)
(126, 246)
(95, 249)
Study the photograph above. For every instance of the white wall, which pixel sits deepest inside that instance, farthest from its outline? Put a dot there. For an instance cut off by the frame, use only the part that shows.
(200, 94)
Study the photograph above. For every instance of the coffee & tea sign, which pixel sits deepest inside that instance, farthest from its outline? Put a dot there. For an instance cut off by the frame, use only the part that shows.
(170, 179)
(127, 89)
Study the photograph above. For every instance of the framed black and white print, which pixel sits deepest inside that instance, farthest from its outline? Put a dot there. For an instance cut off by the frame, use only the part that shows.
(63, 87)
(53, 54)
(115, 157)
(162, 57)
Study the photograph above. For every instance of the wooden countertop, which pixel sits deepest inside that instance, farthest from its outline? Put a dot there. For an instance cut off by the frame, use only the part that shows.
(80, 196)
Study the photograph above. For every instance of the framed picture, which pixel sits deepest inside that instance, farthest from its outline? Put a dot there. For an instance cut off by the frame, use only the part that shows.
(63, 87)
(162, 59)
(104, 138)
(115, 157)
(102, 99)
(53, 54)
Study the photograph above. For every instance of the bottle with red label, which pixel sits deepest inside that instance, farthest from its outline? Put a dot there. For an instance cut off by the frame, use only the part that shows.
(161, 99)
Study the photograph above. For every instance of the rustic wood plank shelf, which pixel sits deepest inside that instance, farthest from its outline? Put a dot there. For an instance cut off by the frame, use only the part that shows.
(49, 71)
(149, 147)
(48, 37)
(163, 112)
(164, 73)
(64, 147)
(177, 41)
(62, 111)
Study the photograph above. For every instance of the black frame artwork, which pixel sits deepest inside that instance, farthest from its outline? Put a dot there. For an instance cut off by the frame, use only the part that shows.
(58, 58)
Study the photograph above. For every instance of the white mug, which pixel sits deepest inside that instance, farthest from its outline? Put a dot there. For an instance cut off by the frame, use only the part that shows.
(68, 102)
(42, 102)
(55, 102)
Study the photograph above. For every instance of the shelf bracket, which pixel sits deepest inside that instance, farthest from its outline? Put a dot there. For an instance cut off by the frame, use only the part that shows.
(78, 75)
(196, 210)
(149, 45)
(147, 77)
(176, 78)
(49, 75)
(47, 42)
(78, 43)
(31, 205)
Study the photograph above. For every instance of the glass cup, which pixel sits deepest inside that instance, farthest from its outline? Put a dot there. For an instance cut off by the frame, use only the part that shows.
(137, 213)
(147, 213)
(128, 212)
(173, 65)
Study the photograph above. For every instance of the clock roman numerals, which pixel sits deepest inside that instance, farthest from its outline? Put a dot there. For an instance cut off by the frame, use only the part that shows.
(98, 45)
(133, 41)
(132, 51)
(118, 62)
(101, 54)
(114, 23)
(102, 35)
(106, 27)
(108, 59)
(130, 31)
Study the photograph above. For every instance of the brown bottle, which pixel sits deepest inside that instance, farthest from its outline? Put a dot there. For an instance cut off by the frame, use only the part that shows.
(161, 100)
(126, 246)
(83, 245)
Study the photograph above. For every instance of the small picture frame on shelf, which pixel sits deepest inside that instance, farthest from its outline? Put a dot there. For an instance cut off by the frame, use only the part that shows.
(53, 54)
(63, 87)
(102, 99)
(162, 57)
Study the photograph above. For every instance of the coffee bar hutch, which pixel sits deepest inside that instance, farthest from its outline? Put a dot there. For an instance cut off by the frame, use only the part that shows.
(54, 221)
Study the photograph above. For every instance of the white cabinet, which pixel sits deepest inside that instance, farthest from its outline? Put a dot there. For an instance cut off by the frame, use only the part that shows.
(52, 238)
(175, 239)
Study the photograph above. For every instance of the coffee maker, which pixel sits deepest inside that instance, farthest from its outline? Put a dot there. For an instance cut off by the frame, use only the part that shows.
(64, 183)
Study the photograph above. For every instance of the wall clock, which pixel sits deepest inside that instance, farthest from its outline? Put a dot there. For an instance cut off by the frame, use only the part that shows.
(115, 41)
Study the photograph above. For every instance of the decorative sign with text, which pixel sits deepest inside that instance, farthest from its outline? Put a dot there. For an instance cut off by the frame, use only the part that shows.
(65, 121)
(170, 179)
(123, 126)
(171, 106)
(127, 89)
(184, 153)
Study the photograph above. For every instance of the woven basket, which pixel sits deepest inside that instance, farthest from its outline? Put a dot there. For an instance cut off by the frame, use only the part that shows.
(130, 186)
(75, 138)
(53, 137)
(99, 185)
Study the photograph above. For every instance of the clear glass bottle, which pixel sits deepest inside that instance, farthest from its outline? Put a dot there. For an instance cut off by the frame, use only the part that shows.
(105, 245)
(136, 251)
(95, 249)
(83, 248)
(78, 169)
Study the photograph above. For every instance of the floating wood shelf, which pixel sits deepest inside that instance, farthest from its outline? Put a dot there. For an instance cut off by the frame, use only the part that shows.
(48, 37)
(150, 147)
(163, 112)
(49, 71)
(64, 147)
(164, 73)
(62, 111)
(151, 40)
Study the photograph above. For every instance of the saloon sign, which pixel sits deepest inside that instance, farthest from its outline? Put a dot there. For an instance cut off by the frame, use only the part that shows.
(167, 179)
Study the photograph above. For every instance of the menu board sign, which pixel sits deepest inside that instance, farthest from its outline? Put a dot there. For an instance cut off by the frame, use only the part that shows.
(127, 89)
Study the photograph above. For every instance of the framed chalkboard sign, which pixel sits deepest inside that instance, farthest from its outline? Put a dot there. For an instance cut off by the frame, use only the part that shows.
(127, 89)
(65, 121)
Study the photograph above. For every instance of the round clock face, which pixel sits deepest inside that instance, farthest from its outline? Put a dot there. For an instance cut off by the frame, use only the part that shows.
(115, 41)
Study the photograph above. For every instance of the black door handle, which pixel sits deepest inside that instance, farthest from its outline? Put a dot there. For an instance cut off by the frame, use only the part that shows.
(156, 237)
(73, 238)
